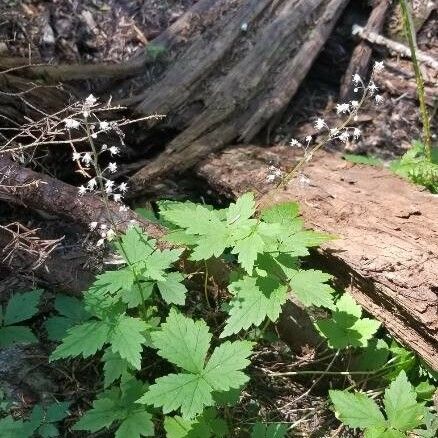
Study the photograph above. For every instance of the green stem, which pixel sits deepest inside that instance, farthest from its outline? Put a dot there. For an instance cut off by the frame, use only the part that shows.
(411, 36)
(105, 199)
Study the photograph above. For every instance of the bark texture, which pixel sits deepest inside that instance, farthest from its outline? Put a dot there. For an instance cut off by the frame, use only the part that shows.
(234, 77)
(387, 251)
(34, 190)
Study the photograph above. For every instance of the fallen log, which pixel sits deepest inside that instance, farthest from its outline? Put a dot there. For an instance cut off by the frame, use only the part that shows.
(22, 186)
(235, 77)
(387, 251)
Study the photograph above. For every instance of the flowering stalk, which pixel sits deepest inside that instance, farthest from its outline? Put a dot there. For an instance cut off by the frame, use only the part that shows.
(410, 34)
(342, 132)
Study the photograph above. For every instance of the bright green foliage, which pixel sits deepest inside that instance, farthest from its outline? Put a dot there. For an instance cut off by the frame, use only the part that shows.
(254, 299)
(217, 230)
(119, 405)
(20, 307)
(346, 327)
(415, 166)
(311, 288)
(42, 422)
(403, 413)
(185, 343)
(373, 356)
(261, 430)
(71, 312)
(431, 424)
(124, 333)
(147, 266)
(114, 368)
(207, 425)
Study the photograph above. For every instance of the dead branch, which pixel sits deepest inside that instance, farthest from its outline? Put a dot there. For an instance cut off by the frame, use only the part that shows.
(394, 46)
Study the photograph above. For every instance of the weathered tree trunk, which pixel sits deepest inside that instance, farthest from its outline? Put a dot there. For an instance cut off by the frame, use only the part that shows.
(234, 77)
(387, 250)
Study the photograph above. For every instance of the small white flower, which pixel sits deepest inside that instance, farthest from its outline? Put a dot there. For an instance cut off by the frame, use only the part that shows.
(123, 187)
(110, 234)
(112, 167)
(117, 197)
(356, 79)
(94, 135)
(244, 27)
(378, 66)
(87, 158)
(104, 126)
(82, 190)
(294, 142)
(356, 133)
(378, 99)
(355, 104)
(93, 226)
(308, 139)
(92, 184)
(356, 89)
(270, 178)
(104, 147)
(90, 100)
(76, 156)
(334, 132)
(344, 136)
(372, 88)
(342, 108)
(100, 242)
(114, 150)
(109, 186)
(319, 124)
(85, 114)
(71, 123)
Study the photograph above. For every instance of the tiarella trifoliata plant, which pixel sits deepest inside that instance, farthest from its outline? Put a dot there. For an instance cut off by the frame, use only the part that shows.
(343, 131)
(170, 368)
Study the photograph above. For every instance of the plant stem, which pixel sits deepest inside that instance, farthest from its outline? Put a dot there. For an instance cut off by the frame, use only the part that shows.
(411, 36)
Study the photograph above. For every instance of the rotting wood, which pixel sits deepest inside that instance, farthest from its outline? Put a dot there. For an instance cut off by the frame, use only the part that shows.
(394, 46)
(34, 190)
(387, 251)
(361, 56)
(261, 69)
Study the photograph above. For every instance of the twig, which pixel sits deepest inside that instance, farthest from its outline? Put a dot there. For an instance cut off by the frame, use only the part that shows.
(394, 46)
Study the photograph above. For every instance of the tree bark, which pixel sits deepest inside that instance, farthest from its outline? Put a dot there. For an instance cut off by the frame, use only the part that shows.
(34, 190)
(233, 78)
(387, 250)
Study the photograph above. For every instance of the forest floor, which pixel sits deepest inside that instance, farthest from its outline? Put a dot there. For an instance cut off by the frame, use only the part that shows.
(116, 30)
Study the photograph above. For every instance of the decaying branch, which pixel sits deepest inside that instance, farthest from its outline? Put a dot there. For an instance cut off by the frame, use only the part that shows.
(394, 46)
(23, 186)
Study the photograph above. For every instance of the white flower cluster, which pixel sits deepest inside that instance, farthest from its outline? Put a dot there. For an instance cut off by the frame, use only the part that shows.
(87, 160)
(344, 132)
(275, 174)
(105, 232)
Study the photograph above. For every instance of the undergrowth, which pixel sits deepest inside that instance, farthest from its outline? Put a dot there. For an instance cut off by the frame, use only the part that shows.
(166, 371)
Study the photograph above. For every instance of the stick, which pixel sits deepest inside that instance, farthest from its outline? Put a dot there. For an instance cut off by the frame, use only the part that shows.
(393, 46)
